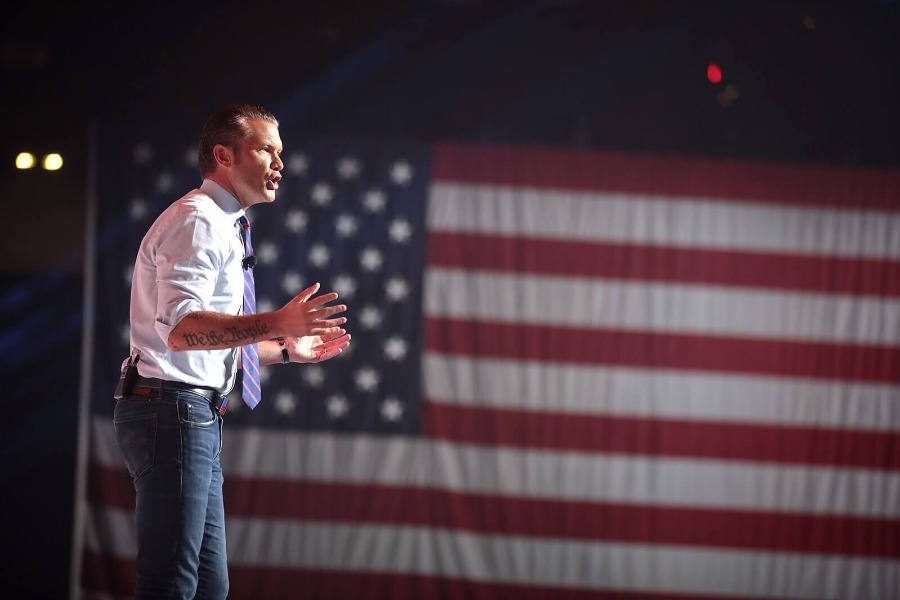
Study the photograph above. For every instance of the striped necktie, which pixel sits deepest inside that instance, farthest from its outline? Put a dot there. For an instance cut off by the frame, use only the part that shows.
(250, 352)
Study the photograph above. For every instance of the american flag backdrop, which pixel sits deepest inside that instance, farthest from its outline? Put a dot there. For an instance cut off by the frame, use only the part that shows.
(573, 375)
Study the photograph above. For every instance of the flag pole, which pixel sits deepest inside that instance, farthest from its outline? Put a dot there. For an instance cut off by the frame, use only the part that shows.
(87, 353)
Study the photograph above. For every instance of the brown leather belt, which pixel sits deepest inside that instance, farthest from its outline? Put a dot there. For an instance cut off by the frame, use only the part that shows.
(150, 386)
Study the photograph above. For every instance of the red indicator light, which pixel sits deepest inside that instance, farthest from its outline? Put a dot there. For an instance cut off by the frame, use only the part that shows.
(713, 73)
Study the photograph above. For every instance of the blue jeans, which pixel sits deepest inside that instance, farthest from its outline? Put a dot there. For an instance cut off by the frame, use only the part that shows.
(171, 447)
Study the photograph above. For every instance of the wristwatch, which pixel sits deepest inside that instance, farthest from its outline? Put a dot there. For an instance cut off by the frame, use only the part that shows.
(285, 357)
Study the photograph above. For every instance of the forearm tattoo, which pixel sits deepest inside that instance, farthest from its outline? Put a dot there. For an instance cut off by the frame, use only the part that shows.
(228, 337)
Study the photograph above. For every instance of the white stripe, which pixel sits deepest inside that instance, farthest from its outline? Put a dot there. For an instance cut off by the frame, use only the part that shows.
(537, 562)
(595, 390)
(110, 531)
(706, 310)
(577, 476)
(656, 220)
(565, 563)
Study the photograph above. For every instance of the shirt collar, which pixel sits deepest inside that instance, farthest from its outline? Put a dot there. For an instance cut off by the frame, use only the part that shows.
(228, 203)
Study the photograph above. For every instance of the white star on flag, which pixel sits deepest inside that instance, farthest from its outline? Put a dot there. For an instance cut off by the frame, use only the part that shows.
(344, 285)
(400, 230)
(401, 172)
(346, 225)
(286, 403)
(348, 168)
(366, 379)
(321, 194)
(313, 376)
(296, 221)
(337, 406)
(369, 317)
(266, 252)
(292, 282)
(397, 289)
(395, 348)
(319, 255)
(391, 409)
(374, 200)
(371, 259)
(138, 209)
(297, 164)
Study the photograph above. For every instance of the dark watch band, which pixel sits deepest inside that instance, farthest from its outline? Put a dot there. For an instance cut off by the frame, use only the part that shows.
(285, 357)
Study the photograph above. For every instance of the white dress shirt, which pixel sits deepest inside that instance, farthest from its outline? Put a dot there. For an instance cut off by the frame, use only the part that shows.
(189, 260)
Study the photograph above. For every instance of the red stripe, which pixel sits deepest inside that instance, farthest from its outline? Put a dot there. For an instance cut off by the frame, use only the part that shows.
(541, 518)
(110, 487)
(820, 360)
(107, 574)
(114, 576)
(557, 519)
(291, 584)
(806, 446)
(668, 177)
(857, 276)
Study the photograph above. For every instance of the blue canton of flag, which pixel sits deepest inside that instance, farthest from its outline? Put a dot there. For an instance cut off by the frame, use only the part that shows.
(351, 216)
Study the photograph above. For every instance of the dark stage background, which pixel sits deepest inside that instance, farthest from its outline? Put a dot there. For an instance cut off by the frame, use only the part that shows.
(804, 83)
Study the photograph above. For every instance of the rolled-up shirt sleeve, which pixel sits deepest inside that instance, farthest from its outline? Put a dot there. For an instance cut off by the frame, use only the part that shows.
(189, 261)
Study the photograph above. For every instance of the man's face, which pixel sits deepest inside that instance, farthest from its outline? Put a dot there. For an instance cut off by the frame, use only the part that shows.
(257, 165)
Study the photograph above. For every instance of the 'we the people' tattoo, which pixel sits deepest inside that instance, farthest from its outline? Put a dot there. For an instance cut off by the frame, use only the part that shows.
(227, 336)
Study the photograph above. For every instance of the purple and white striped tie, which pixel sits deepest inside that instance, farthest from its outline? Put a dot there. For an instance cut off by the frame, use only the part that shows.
(249, 352)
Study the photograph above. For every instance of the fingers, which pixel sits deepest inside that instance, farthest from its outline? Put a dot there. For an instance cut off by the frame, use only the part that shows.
(308, 315)
(307, 293)
(326, 325)
(333, 338)
(322, 344)
(332, 348)
(338, 342)
(316, 303)
(327, 333)
(322, 313)
(313, 303)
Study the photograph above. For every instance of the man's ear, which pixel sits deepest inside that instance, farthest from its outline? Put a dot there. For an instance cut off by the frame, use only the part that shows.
(224, 155)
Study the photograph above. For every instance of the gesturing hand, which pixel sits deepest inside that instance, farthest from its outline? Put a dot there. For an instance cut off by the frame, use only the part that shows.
(306, 316)
(316, 348)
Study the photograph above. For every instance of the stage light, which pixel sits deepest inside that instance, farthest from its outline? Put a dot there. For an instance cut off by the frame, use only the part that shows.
(52, 162)
(713, 73)
(24, 160)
